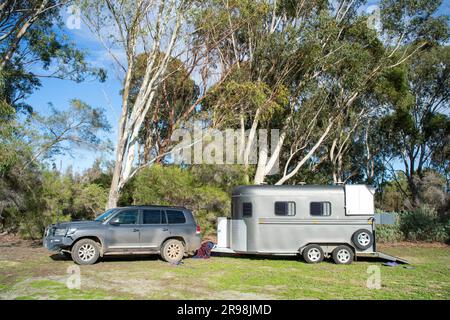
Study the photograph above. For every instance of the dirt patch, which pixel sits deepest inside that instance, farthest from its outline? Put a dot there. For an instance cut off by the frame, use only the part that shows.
(10, 240)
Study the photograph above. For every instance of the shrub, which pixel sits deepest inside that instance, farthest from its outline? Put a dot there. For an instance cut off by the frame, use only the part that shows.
(423, 225)
(389, 233)
(89, 201)
(172, 185)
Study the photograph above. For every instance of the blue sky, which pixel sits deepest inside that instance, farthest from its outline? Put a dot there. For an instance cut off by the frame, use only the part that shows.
(105, 95)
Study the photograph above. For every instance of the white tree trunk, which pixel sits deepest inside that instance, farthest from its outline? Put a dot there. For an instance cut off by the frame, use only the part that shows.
(289, 175)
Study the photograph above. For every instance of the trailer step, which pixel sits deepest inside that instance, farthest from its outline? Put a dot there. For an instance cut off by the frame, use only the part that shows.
(222, 250)
(384, 256)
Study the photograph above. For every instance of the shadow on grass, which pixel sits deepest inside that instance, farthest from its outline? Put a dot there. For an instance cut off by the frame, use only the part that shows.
(293, 258)
(130, 257)
(60, 257)
(254, 256)
(156, 257)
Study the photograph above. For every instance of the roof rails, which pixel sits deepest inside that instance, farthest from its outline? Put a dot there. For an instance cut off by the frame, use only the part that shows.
(154, 205)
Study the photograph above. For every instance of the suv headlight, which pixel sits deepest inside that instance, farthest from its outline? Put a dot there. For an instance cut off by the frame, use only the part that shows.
(71, 231)
(60, 232)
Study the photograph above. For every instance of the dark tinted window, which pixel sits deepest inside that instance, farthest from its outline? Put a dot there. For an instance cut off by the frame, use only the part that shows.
(285, 208)
(320, 208)
(151, 216)
(247, 209)
(126, 217)
(175, 216)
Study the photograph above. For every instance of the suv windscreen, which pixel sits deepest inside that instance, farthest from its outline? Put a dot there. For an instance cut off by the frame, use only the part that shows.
(105, 215)
(151, 216)
(126, 217)
(175, 216)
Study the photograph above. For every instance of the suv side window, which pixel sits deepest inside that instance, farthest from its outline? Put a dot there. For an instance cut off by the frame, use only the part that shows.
(175, 216)
(126, 217)
(151, 216)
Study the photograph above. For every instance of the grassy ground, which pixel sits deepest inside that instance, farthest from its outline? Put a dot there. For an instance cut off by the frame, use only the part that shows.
(30, 272)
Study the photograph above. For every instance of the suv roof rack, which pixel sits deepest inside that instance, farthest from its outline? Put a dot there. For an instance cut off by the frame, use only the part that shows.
(153, 205)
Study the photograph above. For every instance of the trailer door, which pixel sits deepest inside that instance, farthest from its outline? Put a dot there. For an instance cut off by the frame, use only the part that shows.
(359, 200)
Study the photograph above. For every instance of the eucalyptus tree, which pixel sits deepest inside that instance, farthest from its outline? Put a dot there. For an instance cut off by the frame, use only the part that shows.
(173, 104)
(417, 130)
(63, 131)
(127, 28)
(35, 45)
(302, 66)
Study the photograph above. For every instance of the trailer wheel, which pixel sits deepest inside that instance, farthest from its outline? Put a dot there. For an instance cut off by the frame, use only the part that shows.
(343, 255)
(313, 253)
(363, 239)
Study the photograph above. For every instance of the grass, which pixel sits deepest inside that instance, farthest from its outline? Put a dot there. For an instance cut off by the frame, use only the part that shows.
(36, 276)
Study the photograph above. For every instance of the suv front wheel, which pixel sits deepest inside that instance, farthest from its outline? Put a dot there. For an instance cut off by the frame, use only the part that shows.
(85, 251)
(172, 251)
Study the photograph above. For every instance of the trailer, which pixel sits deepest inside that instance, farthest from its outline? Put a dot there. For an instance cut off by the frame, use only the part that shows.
(313, 221)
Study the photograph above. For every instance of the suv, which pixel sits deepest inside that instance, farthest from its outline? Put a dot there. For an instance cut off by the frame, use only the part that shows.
(169, 231)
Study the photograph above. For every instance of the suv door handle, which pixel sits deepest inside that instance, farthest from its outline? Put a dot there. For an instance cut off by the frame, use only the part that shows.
(135, 230)
(165, 229)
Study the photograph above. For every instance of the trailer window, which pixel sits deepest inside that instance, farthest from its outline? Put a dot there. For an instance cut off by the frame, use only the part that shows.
(320, 208)
(285, 208)
(247, 209)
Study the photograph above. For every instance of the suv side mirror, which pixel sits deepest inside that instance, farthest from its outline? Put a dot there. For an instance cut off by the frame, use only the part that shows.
(114, 223)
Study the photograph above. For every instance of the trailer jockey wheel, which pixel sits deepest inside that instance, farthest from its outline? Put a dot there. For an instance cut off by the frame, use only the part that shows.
(313, 253)
(362, 239)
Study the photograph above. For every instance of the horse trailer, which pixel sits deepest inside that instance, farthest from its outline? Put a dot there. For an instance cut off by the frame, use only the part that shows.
(314, 221)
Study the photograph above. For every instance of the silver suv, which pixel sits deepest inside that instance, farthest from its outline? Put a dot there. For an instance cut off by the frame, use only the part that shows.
(169, 231)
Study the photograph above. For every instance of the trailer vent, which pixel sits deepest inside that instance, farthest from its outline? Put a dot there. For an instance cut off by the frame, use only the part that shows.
(247, 209)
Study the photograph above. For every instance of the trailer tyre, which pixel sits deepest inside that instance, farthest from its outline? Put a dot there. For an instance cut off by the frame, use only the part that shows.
(343, 255)
(313, 253)
(362, 239)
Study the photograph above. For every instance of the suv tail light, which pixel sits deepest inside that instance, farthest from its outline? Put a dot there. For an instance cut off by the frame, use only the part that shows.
(197, 229)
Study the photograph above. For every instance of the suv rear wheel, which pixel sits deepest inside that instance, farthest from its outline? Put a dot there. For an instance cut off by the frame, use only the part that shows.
(85, 251)
(172, 250)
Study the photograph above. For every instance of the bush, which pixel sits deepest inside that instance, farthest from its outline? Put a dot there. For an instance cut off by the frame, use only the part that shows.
(172, 185)
(89, 201)
(389, 233)
(424, 225)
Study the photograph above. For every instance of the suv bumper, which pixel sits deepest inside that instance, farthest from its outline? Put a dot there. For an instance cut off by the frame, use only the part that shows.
(56, 243)
(195, 243)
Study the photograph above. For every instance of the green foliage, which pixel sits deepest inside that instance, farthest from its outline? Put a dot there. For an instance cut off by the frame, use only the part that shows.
(424, 225)
(8, 154)
(80, 126)
(389, 233)
(89, 201)
(172, 185)
(44, 45)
